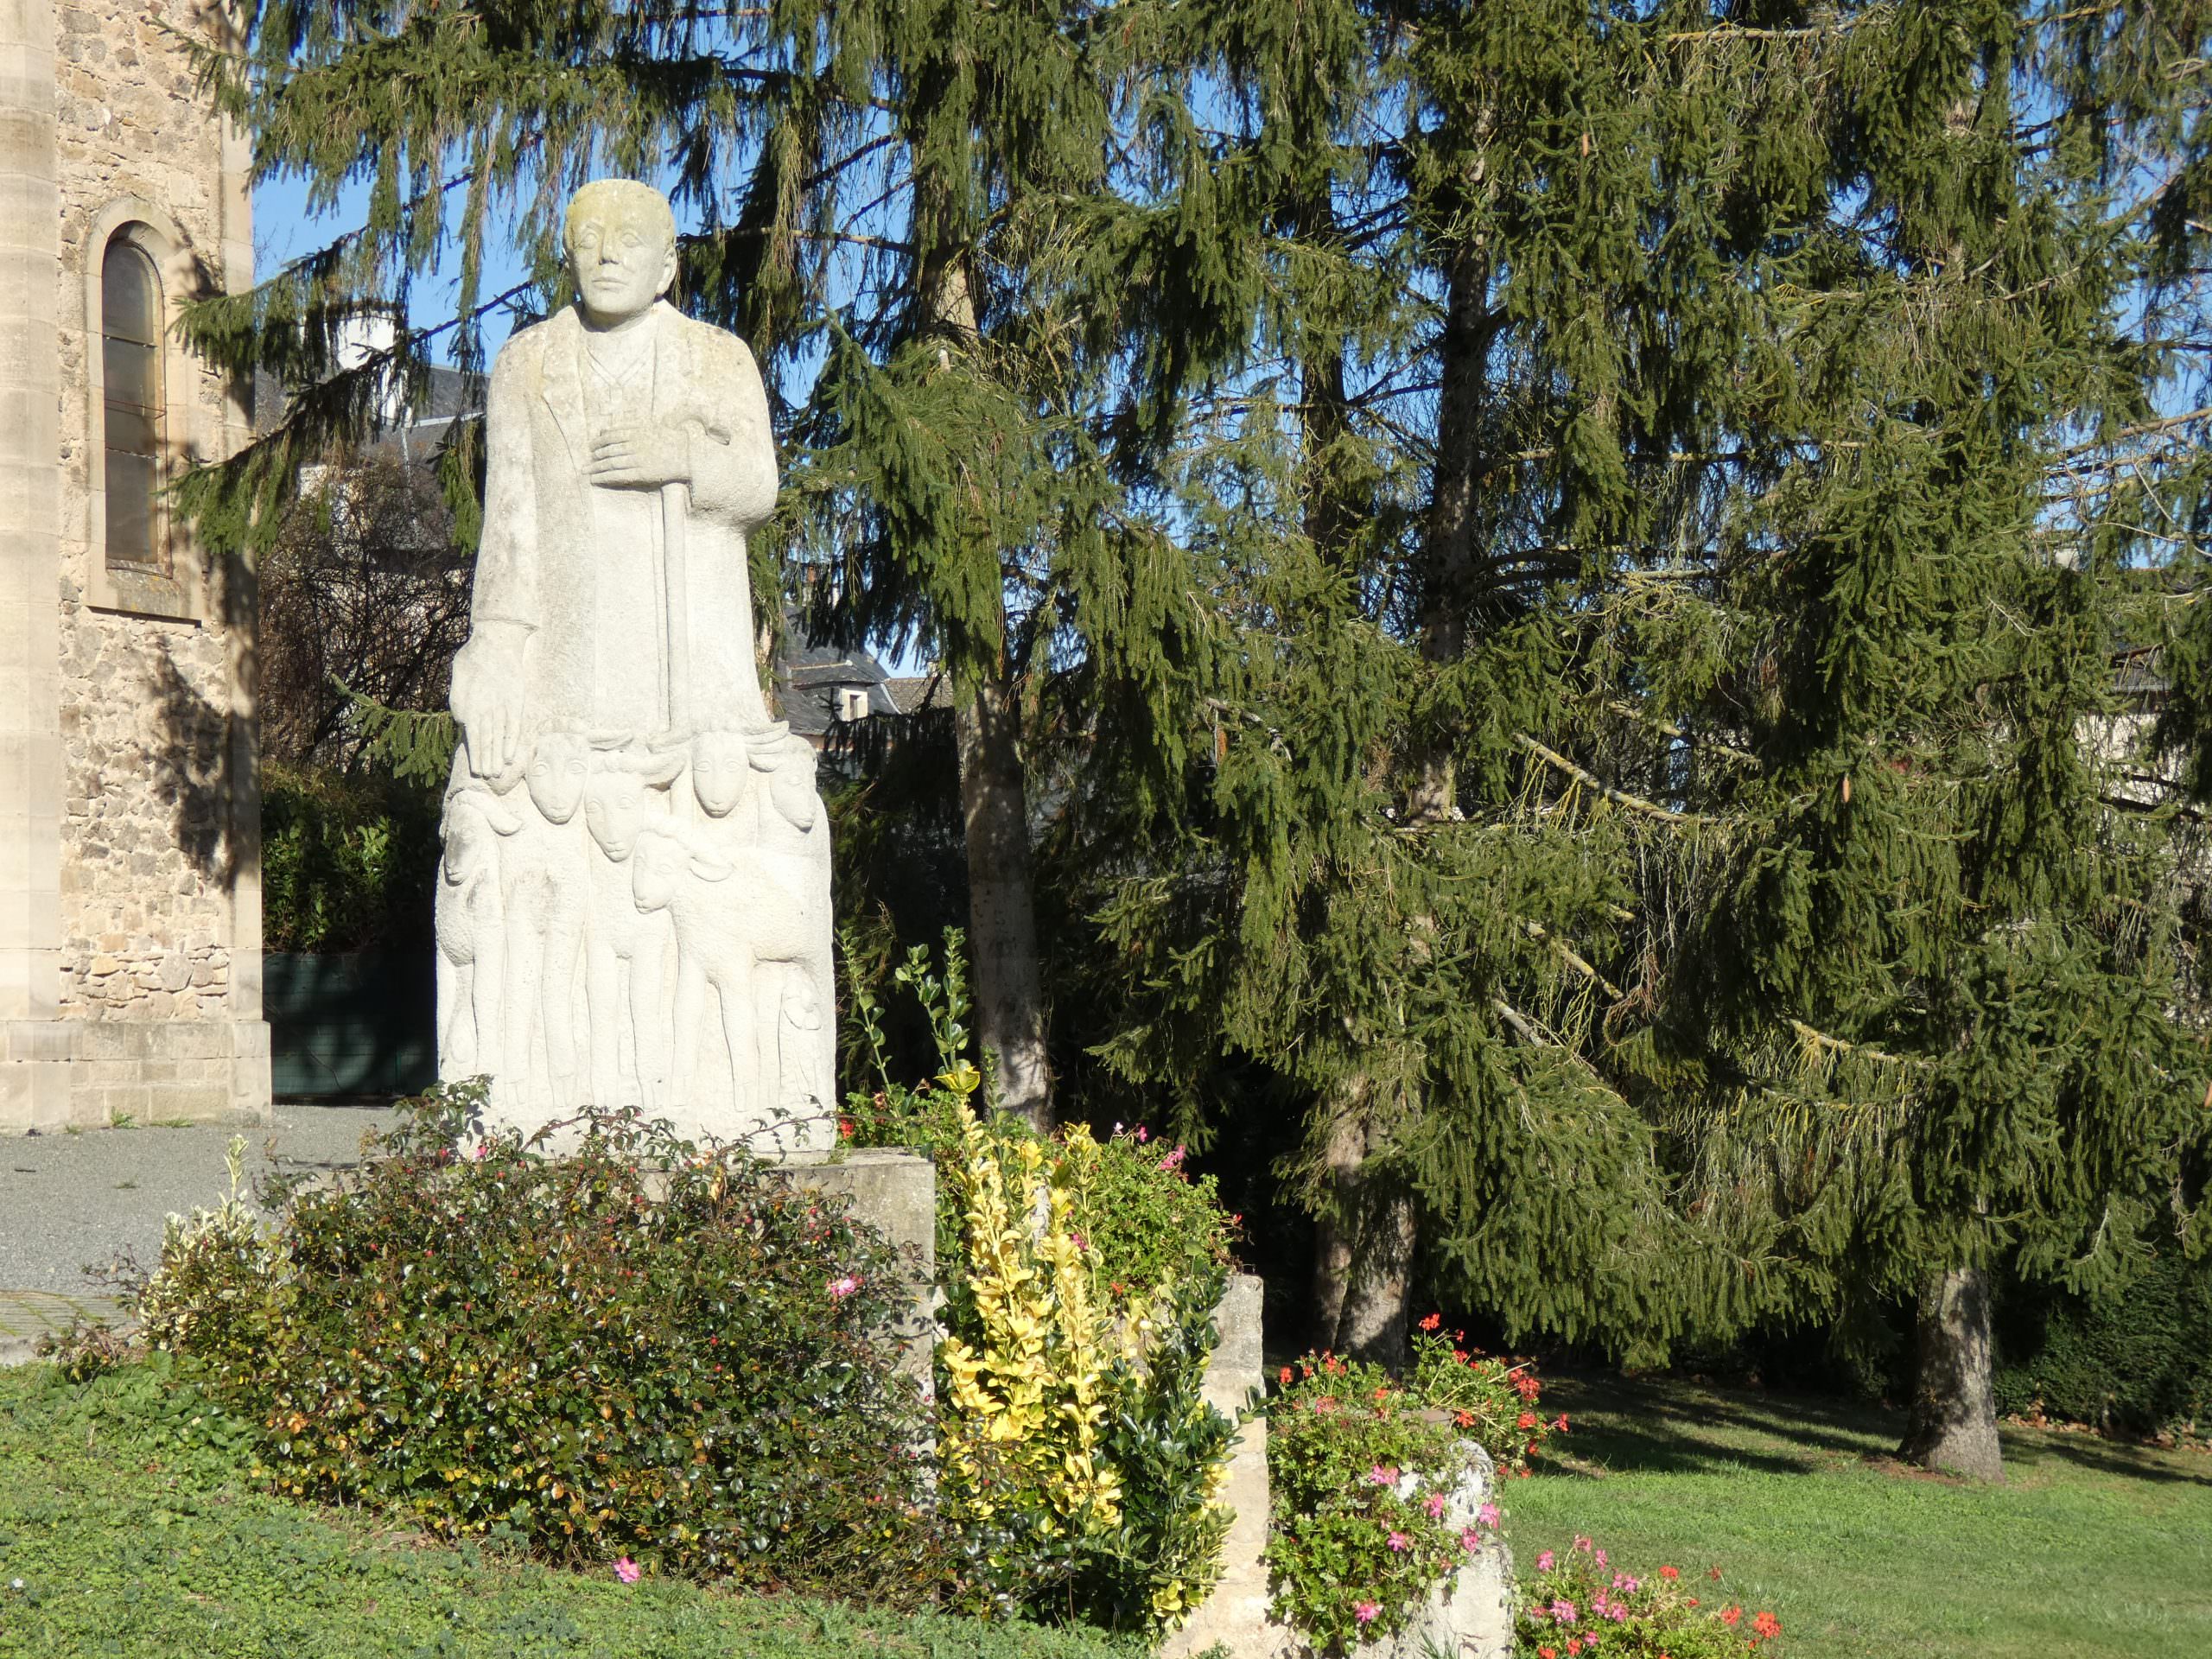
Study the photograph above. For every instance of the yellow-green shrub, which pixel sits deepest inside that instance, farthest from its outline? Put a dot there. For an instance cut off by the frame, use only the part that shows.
(1081, 1461)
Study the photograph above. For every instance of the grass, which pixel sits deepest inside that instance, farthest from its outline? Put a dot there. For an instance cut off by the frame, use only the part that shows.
(2090, 1549)
(127, 1515)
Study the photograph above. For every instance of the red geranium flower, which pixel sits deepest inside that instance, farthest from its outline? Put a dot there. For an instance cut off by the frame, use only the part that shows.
(1731, 1616)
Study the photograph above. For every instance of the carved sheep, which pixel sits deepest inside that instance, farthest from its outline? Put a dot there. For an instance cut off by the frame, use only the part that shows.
(733, 915)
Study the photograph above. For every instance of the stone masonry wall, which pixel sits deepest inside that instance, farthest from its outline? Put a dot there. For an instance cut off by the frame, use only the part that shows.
(159, 934)
(147, 853)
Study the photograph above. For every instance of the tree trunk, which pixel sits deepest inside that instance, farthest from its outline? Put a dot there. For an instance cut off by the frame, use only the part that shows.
(1449, 550)
(1002, 914)
(1954, 1421)
(987, 726)
(1364, 1257)
(1363, 1249)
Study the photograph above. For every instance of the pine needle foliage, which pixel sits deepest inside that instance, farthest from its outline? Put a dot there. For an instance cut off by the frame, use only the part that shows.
(1576, 578)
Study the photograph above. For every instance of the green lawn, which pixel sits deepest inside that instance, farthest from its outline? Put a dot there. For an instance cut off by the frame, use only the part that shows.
(132, 1533)
(2089, 1548)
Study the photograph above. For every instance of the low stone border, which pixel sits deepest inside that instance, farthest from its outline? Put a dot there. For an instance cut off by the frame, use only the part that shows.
(27, 1315)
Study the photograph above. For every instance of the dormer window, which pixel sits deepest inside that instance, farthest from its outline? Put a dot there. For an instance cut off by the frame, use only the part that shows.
(132, 400)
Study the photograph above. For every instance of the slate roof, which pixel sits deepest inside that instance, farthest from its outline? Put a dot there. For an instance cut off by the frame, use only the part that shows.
(810, 678)
(448, 395)
(914, 692)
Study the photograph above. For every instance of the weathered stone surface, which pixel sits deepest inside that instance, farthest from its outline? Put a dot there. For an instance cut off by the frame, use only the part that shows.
(129, 815)
(1236, 1614)
(1469, 1615)
(634, 906)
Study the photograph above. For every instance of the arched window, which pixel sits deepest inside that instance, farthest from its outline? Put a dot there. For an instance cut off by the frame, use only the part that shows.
(130, 371)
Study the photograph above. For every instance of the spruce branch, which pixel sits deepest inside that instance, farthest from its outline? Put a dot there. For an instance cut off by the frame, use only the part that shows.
(1667, 729)
(1590, 780)
(1816, 1038)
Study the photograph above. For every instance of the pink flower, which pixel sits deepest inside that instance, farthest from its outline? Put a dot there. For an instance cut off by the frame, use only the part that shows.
(1488, 1516)
(1544, 1562)
(1563, 1611)
(1434, 1504)
(841, 1288)
(1400, 1541)
(1143, 1135)
(1080, 1243)
(1580, 1542)
(1378, 1476)
(1364, 1612)
(627, 1570)
(1172, 1160)
(1601, 1557)
(1471, 1541)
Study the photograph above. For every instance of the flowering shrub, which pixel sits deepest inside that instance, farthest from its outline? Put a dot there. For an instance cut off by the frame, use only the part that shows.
(1141, 1219)
(1081, 1464)
(1578, 1602)
(1359, 1465)
(1084, 1464)
(639, 1349)
(1024, 1397)
(1490, 1400)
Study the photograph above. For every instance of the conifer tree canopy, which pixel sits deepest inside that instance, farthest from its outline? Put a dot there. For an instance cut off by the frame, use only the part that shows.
(1574, 594)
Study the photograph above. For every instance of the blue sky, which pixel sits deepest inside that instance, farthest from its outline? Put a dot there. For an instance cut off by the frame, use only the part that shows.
(283, 230)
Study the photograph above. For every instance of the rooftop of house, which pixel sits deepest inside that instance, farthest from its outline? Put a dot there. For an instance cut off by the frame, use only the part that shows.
(913, 693)
(813, 681)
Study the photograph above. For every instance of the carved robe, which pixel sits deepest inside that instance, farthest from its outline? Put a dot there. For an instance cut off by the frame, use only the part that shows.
(582, 566)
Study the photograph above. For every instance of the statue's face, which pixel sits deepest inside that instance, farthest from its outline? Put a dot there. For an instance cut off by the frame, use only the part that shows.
(719, 769)
(555, 775)
(614, 808)
(622, 259)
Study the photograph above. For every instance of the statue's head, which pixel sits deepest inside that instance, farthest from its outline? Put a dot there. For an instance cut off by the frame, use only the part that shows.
(621, 239)
(720, 766)
(555, 774)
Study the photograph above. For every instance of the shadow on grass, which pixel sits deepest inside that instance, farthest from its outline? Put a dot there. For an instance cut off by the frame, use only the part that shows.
(1630, 1425)
(1664, 1426)
(2026, 1449)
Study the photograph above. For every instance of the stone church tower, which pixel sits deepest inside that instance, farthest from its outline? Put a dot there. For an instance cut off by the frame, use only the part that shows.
(129, 848)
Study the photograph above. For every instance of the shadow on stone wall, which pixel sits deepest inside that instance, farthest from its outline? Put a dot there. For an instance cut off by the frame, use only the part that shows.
(202, 759)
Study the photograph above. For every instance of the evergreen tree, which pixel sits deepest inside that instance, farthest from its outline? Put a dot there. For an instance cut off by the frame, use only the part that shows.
(1554, 574)
(1695, 830)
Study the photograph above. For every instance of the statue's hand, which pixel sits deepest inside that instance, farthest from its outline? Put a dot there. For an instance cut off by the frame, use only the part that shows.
(487, 691)
(642, 457)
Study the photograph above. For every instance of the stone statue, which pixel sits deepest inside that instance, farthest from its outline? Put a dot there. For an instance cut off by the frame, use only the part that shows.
(666, 845)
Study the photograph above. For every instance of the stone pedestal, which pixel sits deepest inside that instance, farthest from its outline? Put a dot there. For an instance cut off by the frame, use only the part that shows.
(1236, 1614)
(895, 1192)
(1469, 1615)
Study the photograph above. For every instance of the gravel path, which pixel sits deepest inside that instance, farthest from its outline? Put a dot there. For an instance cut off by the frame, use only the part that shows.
(70, 1201)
